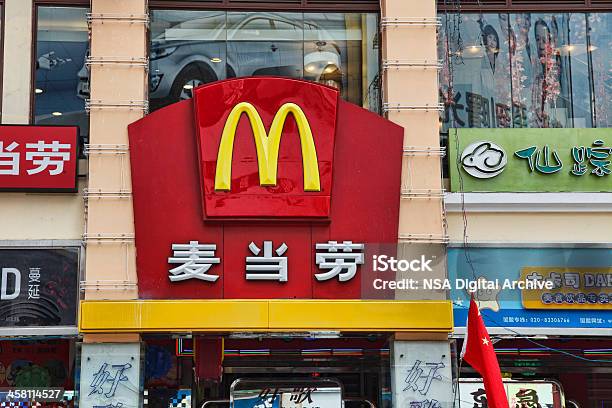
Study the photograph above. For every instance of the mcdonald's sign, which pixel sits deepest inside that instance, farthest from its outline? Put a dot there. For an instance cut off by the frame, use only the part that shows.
(256, 163)
(267, 146)
(266, 151)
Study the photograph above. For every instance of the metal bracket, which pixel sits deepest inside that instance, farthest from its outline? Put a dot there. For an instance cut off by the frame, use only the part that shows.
(387, 107)
(412, 64)
(107, 284)
(131, 105)
(423, 193)
(424, 151)
(411, 21)
(106, 149)
(125, 61)
(119, 18)
(87, 194)
(424, 238)
(108, 238)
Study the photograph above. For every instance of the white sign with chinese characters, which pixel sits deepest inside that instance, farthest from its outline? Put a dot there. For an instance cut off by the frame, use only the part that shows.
(525, 394)
(110, 375)
(421, 375)
(335, 260)
(39, 157)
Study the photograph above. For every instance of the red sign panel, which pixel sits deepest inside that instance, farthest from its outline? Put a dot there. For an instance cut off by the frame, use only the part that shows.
(264, 240)
(292, 115)
(38, 158)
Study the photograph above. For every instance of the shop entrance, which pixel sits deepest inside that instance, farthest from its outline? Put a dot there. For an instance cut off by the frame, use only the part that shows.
(273, 372)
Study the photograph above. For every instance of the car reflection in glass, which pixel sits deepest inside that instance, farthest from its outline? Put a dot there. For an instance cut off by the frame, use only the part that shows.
(191, 53)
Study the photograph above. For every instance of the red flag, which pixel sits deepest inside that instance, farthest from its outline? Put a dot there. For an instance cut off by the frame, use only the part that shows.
(479, 353)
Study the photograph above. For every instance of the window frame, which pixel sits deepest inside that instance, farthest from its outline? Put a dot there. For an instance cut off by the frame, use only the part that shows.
(486, 6)
(35, 5)
(365, 6)
(2, 34)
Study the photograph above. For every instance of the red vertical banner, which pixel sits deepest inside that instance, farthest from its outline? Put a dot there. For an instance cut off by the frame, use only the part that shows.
(209, 358)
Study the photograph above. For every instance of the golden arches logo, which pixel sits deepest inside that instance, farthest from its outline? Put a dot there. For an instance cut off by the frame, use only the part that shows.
(267, 146)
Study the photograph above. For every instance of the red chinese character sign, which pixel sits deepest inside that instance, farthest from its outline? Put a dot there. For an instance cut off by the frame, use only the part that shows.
(262, 188)
(38, 158)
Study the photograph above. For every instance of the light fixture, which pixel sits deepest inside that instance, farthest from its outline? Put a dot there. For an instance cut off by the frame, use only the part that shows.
(187, 86)
(474, 49)
(330, 68)
(215, 60)
(321, 62)
(38, 91)
(573, 49)
(56, 113)
(592, 48)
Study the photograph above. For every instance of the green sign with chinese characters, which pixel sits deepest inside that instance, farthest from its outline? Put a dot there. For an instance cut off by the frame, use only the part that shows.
(535, 160)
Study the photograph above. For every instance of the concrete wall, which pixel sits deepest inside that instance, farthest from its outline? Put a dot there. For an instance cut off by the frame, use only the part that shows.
(30, 216)
(411, 87)
(111, 261)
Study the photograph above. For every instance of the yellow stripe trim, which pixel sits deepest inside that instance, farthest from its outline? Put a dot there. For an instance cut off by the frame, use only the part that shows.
(122, 316)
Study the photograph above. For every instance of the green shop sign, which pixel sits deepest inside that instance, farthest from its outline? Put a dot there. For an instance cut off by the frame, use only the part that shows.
(537, 160)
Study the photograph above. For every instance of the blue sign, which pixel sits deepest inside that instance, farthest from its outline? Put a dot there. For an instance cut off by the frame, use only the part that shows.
(506, 305)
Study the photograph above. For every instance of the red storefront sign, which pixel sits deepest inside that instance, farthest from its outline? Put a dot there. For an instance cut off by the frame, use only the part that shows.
(293, 118)
(38, 158)
(267, 228)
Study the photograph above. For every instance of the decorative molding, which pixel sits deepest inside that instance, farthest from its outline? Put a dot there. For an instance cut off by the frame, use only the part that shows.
(530, 202)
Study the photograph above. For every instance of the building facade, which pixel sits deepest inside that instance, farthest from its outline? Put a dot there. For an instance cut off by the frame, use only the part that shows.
(197, 197)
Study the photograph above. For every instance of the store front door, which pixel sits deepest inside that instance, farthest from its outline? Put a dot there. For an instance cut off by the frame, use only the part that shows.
(286, 372)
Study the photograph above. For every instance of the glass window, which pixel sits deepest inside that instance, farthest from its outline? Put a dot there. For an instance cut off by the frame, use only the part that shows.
(341, 50)
(580, 86)
(523, 70)
(479, 61)
(62, 78)
(600, 53)
(265, 44)
(189, 48)
(541, 70)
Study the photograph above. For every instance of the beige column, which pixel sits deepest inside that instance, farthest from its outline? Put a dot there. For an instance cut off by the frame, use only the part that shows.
(410, 99)
(410, 88)
(16, 62)
(118, 94)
